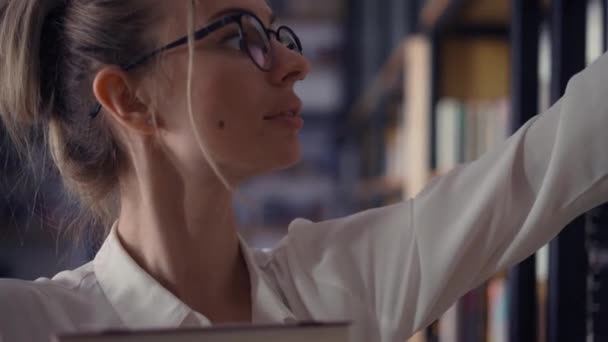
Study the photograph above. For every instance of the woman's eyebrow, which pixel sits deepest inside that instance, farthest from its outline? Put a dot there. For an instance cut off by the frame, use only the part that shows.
(231, 10)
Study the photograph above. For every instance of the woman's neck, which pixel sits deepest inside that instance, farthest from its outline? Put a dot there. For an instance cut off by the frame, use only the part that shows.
(185, 236)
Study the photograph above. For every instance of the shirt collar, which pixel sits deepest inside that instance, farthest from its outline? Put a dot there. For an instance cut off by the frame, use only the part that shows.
(268, 306)
(142, 302)
(139, 300)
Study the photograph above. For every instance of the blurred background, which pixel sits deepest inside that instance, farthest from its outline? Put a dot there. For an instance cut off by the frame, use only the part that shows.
(401, 91)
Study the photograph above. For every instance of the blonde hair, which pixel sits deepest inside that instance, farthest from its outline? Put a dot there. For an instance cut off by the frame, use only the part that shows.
(49, 53)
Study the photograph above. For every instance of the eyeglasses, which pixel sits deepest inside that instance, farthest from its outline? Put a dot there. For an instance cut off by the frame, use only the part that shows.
(254, 40)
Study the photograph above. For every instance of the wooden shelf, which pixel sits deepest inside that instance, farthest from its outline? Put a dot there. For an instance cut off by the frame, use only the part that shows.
(474, 69)
(433, 11)
(491, 12)
(440, 14)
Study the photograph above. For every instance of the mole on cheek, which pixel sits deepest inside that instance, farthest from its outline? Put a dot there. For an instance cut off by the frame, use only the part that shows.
(221, 124)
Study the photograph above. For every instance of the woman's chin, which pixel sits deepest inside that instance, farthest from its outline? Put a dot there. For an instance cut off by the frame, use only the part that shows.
(268, 162)
(282, 160)
(285, 162)
(289, 164)
(291, 157)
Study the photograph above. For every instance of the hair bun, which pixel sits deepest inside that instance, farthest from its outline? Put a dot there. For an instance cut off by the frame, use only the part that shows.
(21, 26)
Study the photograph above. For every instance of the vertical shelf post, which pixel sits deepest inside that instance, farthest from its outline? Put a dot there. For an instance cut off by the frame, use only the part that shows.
(568, 263)
(525, 20)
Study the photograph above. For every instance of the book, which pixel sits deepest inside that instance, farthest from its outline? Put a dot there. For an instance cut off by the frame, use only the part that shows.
(450, 134)
(301, 332)
(417, 89)
(467, 130)
(448, 325)
(498, 313)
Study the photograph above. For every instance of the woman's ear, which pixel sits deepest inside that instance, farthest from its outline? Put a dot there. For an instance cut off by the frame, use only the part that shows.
(115, 92)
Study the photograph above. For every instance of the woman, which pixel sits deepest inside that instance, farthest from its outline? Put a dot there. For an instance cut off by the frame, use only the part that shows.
(154, 139)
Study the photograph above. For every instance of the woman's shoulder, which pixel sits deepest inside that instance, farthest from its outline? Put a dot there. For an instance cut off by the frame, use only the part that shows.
(14, 291)
(64, 285)
(26, 310)
(22, 296)
(45, 305)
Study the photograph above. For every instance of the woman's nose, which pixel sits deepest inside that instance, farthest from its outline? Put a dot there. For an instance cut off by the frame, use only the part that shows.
(289, 66)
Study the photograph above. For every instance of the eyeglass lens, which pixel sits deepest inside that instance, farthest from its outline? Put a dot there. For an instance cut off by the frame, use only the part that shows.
(258, 44)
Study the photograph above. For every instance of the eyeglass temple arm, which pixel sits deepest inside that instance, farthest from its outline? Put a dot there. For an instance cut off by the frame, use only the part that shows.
(198, 35)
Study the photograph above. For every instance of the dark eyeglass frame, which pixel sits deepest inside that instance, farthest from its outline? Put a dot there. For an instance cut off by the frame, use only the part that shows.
(235, 17)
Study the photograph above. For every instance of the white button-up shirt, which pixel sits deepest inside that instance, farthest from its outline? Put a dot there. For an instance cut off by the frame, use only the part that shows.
(393, 270)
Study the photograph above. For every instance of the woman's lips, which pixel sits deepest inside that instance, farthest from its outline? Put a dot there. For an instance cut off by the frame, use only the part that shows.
(283, 114)
(286, 119)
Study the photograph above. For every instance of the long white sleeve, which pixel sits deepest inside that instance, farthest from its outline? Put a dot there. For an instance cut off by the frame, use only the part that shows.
(404, 265)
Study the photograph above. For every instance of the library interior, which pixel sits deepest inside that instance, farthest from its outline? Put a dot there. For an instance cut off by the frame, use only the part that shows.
(400, 94)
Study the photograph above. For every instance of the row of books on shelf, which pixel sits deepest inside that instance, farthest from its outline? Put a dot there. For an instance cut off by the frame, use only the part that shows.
(480, 315)
(467, 130)
(464, 132)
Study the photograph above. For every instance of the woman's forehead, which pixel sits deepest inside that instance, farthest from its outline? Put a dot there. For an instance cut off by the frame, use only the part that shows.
(209, 10)
(206, 12)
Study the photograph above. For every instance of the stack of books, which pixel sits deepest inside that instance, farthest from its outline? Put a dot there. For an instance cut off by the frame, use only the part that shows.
(302, 332)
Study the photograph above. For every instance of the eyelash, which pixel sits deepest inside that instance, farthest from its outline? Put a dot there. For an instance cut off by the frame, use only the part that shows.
(231, 37)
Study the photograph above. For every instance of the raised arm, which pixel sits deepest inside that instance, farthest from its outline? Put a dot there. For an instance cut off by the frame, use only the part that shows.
(408, 263)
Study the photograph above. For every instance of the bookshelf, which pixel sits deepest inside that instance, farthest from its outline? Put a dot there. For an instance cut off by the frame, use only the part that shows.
(597, 220)
(485, 51)
(457, 93)
(469, 55)
(597, 240)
